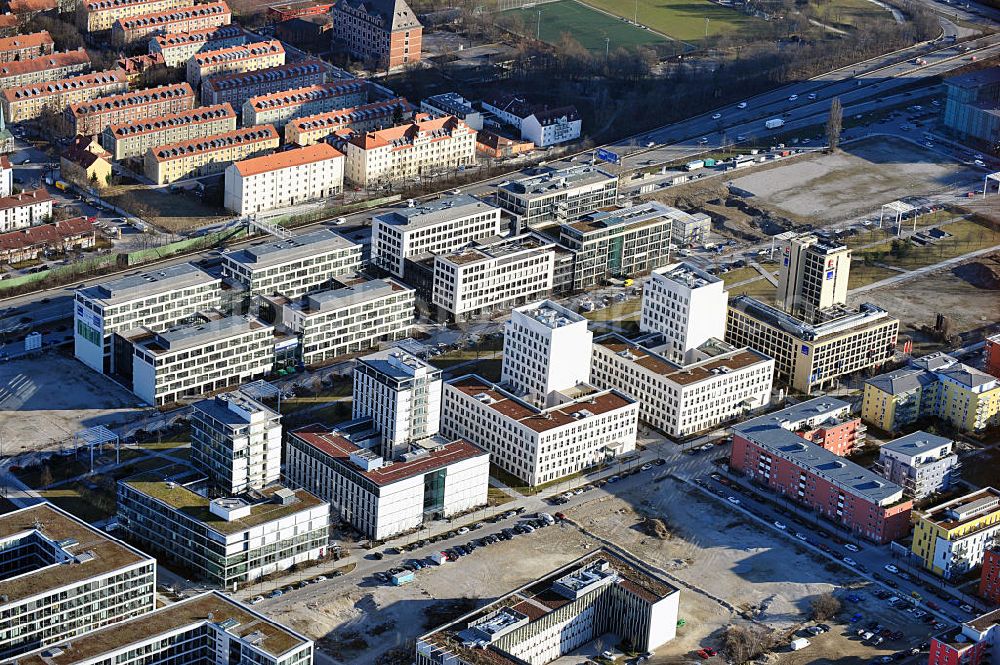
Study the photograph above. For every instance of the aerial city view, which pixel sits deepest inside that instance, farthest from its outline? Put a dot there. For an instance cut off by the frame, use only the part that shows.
(499, 332)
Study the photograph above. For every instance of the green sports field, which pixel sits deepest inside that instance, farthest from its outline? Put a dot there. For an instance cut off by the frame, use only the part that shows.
(681, 19)
(587, 25)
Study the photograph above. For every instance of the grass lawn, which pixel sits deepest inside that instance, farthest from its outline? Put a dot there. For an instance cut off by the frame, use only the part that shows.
(682, 19)
(739, 275)
(497, 497)
(965, 237)
(760, 289)
(486, 367)
(587, 25)
(630, 310)
(862, 275)
(88, 505)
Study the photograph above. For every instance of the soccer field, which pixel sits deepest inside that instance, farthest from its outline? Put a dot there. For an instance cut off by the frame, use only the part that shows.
(588, 26)
(681, 19)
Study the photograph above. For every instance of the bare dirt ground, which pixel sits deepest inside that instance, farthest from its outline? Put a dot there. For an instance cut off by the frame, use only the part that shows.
(852, 182)
(44, 400)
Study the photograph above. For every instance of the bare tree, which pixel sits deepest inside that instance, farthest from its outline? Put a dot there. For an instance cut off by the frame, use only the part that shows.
(746, 642)
(834, 124)
(825, 606)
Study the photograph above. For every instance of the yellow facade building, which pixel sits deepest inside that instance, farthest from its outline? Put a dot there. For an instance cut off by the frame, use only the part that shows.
(951, 538)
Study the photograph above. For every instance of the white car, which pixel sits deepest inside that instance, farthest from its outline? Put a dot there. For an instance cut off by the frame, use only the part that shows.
(733, 500)
(716, 116)
(462, 531)
(979, 162)
(793, 98)
(779, 525)
(651, 144)
(801, 536)
(849, 561)
(852, 547)
(703, 140)
(646, 467)
(257, 599)
(891, 568)
(741, 105)
(741, 138)
(812, 95)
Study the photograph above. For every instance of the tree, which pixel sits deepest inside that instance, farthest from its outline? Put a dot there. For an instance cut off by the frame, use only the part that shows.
(746, 642)
(834, 124)
(825, 606)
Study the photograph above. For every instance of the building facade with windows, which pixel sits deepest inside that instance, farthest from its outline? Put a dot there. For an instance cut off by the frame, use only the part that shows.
(135, 29)
(951, 538)
(813, 274)
(93, 117)
(208, 154)
(235, 59)
(279, 108)
(923, 464)
(538, 445)
(686, 306)
(26, 102)
(557, 195)
(384, 32)
(178, 47)
(284, 179)
(972, 106)
(385, 495)
(43, 68)
(25, 209)
(975, 642)
(364, 118)
(989, 580)
(131, 140)
(683, 400)
(100, 15)
(61, 579)
(238, 87)
(24, 46)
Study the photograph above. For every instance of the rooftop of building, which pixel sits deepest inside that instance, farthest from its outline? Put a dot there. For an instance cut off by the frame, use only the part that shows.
(160, 123)
(177, 14)
(90, 552)
(347, 296)
(221, 141)
(495, 248)
(44, 62)
(403, 136)
(548, 313)
(198, 334)
(64, 85)
(223, 32)
(968, 376)
(917, 443)
(297, 247)
(549, 180)
(770, 433)
(184, 490)
(968, 508)
(472, 637)
(623, 217)
(144, 285)
(237, 52)
(132, 98)
(686, 274)
(347, 116)
(84, 151)
(25, 198)
(902, 380)
(398, 364)
(98, 5)
(305, 94)
(683, 375)
(394, 14)
(838, 320)
(438, 211)
(986, 621)
(451, 102)
(590, 404)
(976, 79)
(208, 608)
(45, 234)
(26, 41)
(287, 159)
(277, 73)
(817, 410)
(232, 408)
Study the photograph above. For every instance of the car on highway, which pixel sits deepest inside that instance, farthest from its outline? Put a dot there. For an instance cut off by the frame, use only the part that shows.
(716, 116)
(979, 162)
(812, 95)
(779, 525)
(703, 140)
(801, 536)
(849, 561)
(733, 500)
(741, 105)
(891, 568)
(651, 144)
(852, 547)
(793, 98)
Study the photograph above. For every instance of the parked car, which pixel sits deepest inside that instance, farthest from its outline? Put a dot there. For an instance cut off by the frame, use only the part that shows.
(779, 525)
(891, 568)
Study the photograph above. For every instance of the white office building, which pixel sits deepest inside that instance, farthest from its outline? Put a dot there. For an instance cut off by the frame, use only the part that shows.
(284, 179)
(381, 495)
(538, 445)
(549, 195)
(681, 400)
(432, 227)
(236, 442)
(400, 393)
(602, 592)
(293, 267)
(453, 104)
(922, 463)
(354, 317)
(546, 350)
(194, 359)
(155, 300)
(686, 305)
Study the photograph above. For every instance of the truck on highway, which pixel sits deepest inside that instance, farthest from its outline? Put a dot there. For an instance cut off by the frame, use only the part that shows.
(694, 165)
(774, 123)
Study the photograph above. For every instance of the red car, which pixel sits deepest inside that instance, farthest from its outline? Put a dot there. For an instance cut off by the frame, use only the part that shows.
(707, 652)
(559, 516)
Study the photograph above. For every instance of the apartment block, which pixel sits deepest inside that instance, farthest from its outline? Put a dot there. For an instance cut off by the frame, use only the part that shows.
(542, 125)
(100, 15)
(25, 209)
(934, 385)
(546, 351)
(26, 102)
(923, 464)
(238, 87)
(992, 355)
(364, 118)
(94, 116)
(989, 581)
(205, 629)
(431, 227)
(293, 267)
(6, 177)
(686, 305)
(385, 495)
(279, 108)
(30, 45)
(453, 104)
(355, 317)
(209, 154)
(557, 195)
(131, 140)
(813, 356)
(62, 578)
(43, 68)
(384, 32)
(155, 300)
(178, 47)
(235, 59)
(236, 443)
(683, 400)
(417, 149)
(400, 393)
(972, 643)
(813, 274)
(228, 541)
(492, 275)
(135, 29)
(770, 453)
(538, 445)
(951, 538)
(284, 179)
(200, 357)
(65, 236)
(602, 592)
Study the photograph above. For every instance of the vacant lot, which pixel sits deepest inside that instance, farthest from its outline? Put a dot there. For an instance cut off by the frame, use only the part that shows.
(965, 236)
(173, 211)
(585, 24)
(853, 182)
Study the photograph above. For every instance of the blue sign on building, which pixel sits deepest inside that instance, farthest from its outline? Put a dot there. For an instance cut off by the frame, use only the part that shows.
(606, 155)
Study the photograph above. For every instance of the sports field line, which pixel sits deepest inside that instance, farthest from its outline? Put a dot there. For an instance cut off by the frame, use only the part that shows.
(616, 17)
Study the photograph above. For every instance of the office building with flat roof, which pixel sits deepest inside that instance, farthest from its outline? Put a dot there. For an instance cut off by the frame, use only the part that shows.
(454, 104)
(686, 305)
(951, 538)
(200, 357)
(972, 106)
(538, 445)
(382, 494)
(61, 579)
(430, 227)
(293, 267)
(813, 274)
(682, 400)
(205, 629)
(155, 300)
(923, 464)
(768, 451)
(602, 592)
(229, 541)
(236, 442)
(557, 195)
